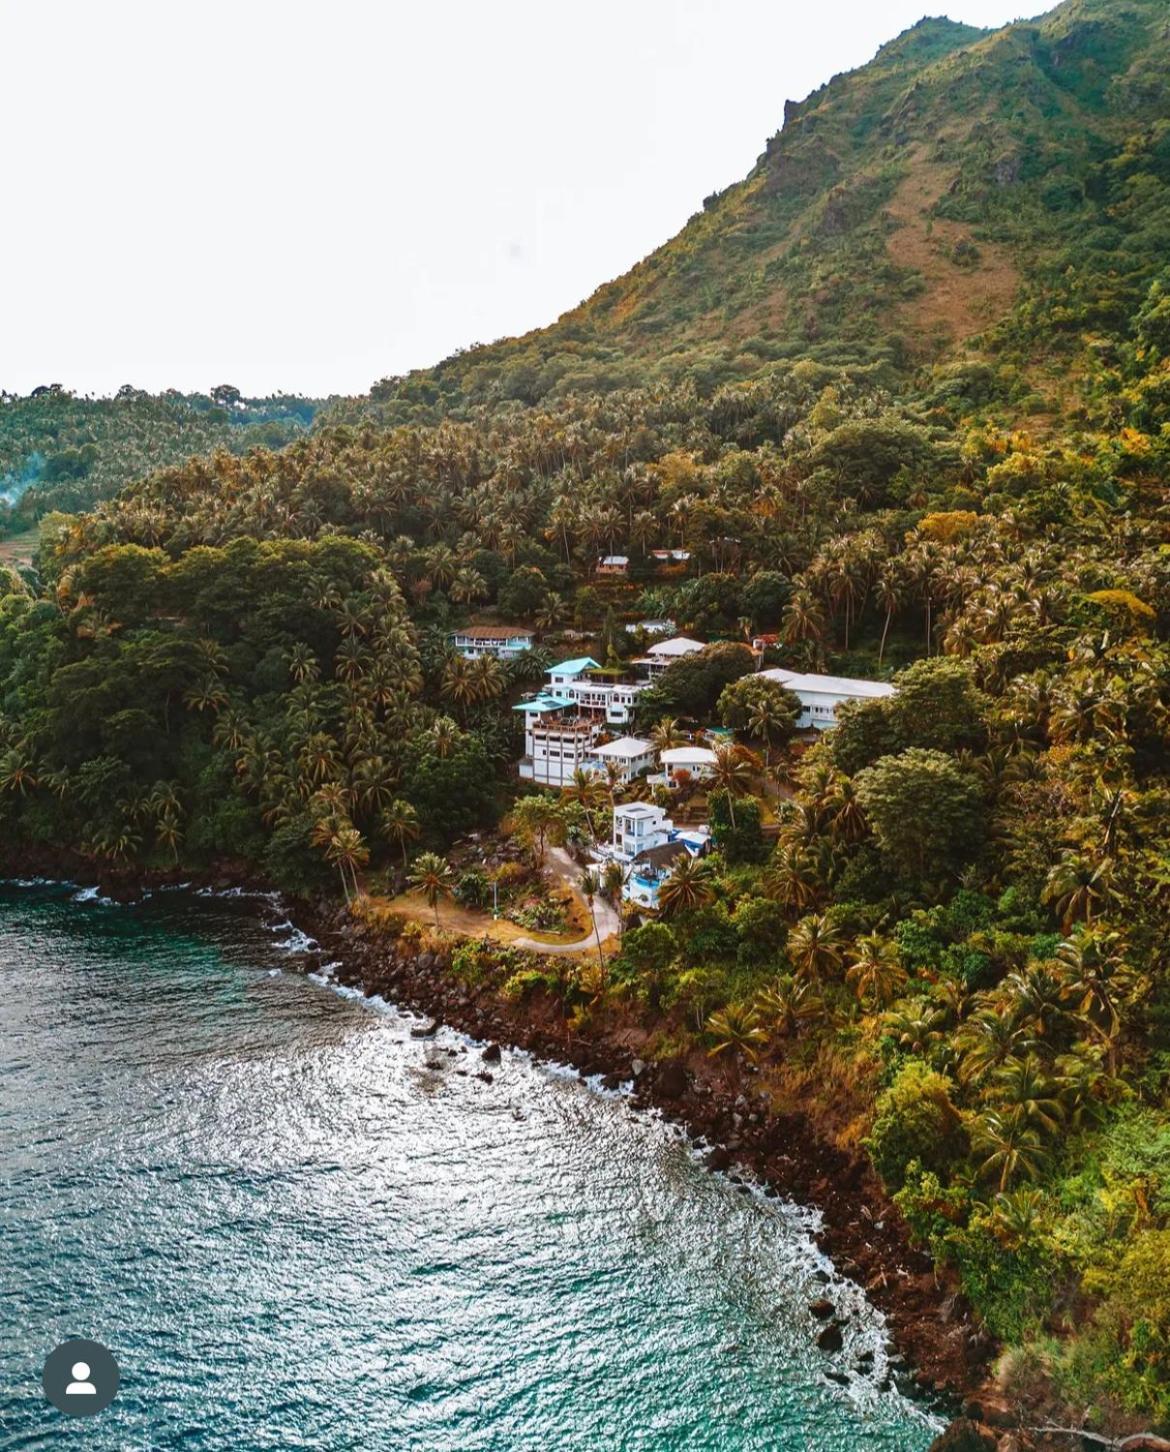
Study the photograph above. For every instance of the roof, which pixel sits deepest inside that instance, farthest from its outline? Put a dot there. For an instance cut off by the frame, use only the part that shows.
(638, 809)
(614, 560)
(495, 632)
(678, 645)
(662, 855)
(574, 667)
(625, 746)
(688, 756)
(829, 685)
(544, 701)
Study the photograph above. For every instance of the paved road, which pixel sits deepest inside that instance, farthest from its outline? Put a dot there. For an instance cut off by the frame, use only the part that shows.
(562, 866)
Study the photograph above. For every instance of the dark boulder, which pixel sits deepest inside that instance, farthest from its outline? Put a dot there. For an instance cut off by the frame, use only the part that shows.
(671, 1081)
(830, 1338)
(964, 1436)
(425, 1030)
(823, 1309)
(491, 1054)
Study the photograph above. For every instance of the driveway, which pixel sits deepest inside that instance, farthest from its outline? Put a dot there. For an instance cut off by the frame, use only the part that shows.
(562, 866)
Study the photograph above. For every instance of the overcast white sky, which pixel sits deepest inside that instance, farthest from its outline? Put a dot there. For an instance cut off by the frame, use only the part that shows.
(284, 195)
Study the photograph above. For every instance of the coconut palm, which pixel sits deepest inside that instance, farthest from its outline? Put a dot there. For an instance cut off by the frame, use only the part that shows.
(347, 851)
(1076, 886)
(398, 822)
(1009, 1147)
(815, 947)
(733, 770)
(691, 885)
(666, 734)
(789, 1003)
(432, 876)
(875, 971)
(737, 1033)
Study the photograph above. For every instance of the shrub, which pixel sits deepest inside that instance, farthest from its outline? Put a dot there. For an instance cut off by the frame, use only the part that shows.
(916, 1121)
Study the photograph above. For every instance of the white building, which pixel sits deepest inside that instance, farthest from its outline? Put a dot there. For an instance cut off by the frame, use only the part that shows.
(651, 627)
(637, 826)
(666, 652)
(820, 696)
(557, 741)
(686, 761)
(613, 565)
(629, 755)
(505, 642)
(611, 701)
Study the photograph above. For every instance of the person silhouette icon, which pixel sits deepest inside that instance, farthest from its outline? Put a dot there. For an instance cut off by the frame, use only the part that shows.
(81, 1386)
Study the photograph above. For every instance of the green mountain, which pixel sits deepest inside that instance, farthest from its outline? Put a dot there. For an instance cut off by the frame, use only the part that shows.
(966, 194)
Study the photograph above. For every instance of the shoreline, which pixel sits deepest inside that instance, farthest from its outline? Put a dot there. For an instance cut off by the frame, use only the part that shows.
(940, 1354)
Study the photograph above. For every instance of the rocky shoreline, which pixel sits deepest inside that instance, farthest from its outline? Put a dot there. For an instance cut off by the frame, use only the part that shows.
(940, 1353)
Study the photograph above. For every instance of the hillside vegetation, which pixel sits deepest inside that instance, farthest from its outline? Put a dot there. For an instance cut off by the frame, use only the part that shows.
(904, 395)
(58, 451)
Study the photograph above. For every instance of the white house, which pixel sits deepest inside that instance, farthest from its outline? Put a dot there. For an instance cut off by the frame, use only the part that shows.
(629, 755)
(820, 696)
(613, 565)
(556, 740)
(505, 642)
(664, 653)
(637, 826)
(654, 865)
(691, 761)
(649, 870)
(613, 701)
(670, 557)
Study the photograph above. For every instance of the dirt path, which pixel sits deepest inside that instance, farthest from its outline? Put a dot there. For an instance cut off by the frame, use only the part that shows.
(609, 924)
(474, 923)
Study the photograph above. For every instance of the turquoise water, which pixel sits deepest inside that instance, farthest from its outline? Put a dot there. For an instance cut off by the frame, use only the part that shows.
(296, 1227)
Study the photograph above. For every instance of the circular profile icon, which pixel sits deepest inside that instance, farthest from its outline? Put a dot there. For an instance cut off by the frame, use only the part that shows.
(80, 1378)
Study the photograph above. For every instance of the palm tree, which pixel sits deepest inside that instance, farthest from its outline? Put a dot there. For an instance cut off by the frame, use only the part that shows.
(690, 885)
(1008, 1145)
(590, 887)
(347, 851)
(875, 971)
(1030, 1093)
(399, 823)
(588, 790)
(1076, 885)
(792, 878)
(666, 734)
(815, 947)
(788, 1003)
(733, 769)
(737, 1032)
(432, 877)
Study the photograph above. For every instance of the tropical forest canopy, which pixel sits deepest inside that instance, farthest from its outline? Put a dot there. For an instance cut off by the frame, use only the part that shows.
(904, 396)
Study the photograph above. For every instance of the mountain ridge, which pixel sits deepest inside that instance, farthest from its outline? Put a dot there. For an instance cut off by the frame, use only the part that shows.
(902, 216)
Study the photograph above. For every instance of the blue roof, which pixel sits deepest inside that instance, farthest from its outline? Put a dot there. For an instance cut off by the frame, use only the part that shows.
(575, 667)
(545, 701)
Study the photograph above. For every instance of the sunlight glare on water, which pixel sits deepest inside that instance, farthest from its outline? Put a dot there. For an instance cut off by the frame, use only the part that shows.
(296, 1226)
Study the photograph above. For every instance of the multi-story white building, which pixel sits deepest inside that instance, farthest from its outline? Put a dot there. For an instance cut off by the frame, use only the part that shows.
(557, 741)
(611, 701)
(505, 642)
(820, 696)
(637, 826)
